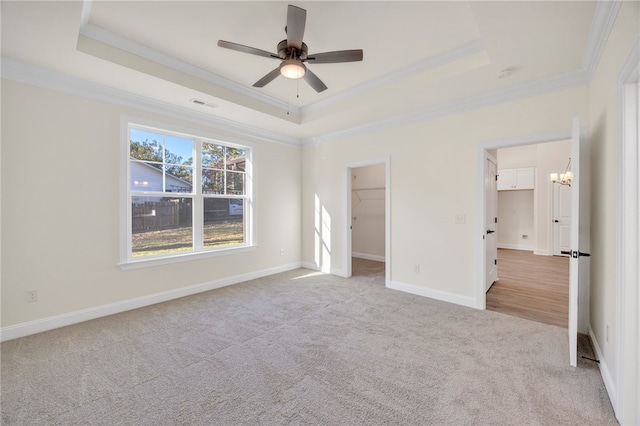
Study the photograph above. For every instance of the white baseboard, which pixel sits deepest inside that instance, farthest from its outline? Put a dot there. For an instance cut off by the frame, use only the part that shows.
(332, 271)
(515, 247)
(57, 321)
(542, 252)
(366, 256)
(433, 294)
(607, 378)
(309, 265)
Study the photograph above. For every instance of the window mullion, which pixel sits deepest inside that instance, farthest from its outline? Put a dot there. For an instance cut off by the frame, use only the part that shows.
(164, 164)
(198, 202)
(224, 170)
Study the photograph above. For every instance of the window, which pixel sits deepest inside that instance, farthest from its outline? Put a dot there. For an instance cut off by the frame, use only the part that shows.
(185, 194)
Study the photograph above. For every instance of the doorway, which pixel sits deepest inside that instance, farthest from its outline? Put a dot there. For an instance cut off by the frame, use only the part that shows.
(367, 216)
(491, 195)
(541, 234)
(578, 305)
(532, 283)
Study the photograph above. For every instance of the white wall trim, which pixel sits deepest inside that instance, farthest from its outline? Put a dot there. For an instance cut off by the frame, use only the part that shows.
(340, 272)
(29, 74)
(604, 17)
(102, 35)
(520, 91)
(433, 294)
(605, 372)
(422, 66)
(311, 266)
(57, 321)
(86, 12)
(542, 252)
(515, 247)
(627, 245)
(367, 256)
(601, 25)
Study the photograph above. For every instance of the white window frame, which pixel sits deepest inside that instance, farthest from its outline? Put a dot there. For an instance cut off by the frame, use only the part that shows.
(127, 261)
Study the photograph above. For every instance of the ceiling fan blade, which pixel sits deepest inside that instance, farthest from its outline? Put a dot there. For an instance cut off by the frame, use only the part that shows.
(296, 20)
(314, 81)
(267, 78)
(335, 57)
(246, 49)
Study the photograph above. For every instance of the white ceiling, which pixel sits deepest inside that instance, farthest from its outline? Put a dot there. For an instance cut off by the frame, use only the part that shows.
(418, 56)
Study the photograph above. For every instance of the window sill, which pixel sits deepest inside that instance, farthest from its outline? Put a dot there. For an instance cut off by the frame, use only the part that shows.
(186, 257)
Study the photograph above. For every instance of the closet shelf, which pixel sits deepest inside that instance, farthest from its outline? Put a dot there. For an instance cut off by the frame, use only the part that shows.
(368, 189)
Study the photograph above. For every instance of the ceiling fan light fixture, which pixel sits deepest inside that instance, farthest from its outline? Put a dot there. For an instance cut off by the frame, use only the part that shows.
(292, 68)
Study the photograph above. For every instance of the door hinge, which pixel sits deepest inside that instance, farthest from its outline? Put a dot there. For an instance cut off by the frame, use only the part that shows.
(495, 261)
(495, 220)
(496, 178)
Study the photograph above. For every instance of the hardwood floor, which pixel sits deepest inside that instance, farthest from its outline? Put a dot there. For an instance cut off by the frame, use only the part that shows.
(532, 287)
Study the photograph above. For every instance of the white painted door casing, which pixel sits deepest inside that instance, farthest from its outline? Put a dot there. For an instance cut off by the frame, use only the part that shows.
(491, 225)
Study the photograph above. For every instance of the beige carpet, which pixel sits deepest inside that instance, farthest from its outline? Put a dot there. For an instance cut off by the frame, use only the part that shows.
(301, 348)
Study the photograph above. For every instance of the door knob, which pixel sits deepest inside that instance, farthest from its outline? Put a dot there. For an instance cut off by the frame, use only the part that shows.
(489, 231)
(556, 221)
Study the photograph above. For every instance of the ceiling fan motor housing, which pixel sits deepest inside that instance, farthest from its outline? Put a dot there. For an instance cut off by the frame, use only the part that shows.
(285, 52)
(293, 53)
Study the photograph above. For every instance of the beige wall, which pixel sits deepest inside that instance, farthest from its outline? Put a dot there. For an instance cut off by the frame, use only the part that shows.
(433, 179)
(60, 208)
(605, 145)
(515, 219)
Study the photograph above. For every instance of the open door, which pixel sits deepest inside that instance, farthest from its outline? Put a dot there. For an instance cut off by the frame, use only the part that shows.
(491, 197)
(578, 252)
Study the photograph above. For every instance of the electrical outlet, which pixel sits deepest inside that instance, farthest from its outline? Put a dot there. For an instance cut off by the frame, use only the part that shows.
(416, 268)
(281, 252)
(459, 218)
(32, 296)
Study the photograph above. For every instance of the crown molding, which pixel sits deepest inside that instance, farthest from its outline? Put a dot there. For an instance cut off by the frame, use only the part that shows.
(92, 31)
(114, 40)
(404, 73)
(604, 17)
(525, 90)
(36, 76)
(85, 12)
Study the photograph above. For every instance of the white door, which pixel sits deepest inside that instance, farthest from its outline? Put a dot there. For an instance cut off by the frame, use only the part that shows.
(491, 239)
(579, 252)
(561, 219)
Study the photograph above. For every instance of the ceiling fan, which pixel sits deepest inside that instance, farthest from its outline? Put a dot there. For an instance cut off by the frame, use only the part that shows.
(294, 53)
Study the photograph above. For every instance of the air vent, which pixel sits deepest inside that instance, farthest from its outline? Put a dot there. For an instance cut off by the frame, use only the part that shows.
(504, 73)
(203, 103)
